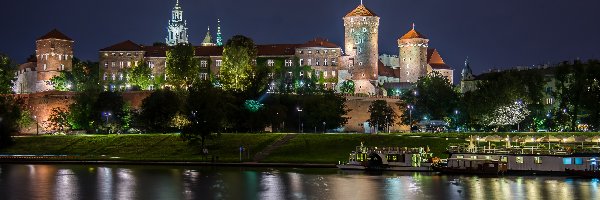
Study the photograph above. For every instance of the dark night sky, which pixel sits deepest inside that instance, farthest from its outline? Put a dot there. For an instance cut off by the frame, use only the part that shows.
(492, 33)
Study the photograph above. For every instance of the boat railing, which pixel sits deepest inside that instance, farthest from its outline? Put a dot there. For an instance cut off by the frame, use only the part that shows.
(511, 150)
(390, 150)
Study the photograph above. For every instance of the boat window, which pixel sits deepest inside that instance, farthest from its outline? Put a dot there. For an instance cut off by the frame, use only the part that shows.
(537, 160)
(593, 161)
(567, 161)
(519, 159)
(473, 157)
(460, 156)
(488, 157)
(579, 161)
(504, 159)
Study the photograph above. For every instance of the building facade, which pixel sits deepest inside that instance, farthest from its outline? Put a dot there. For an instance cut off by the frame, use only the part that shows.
(53, 54)
(177, 29)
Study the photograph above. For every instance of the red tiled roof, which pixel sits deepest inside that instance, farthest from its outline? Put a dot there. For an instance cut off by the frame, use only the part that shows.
(209, 51)
(385, 71)
(277, 49)
(156, 51)
(319, 42)
(124, 46)
(413, 34)
(361, 10)
(55, 34)
(434, 59)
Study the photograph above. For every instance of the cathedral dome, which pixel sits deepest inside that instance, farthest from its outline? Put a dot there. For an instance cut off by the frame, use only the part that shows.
(361, 11)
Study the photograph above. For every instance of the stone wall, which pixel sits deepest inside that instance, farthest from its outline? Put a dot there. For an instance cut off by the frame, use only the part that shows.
(53, 56)
(413, 59)
(361, 42)
(41, 104)
(359, 113)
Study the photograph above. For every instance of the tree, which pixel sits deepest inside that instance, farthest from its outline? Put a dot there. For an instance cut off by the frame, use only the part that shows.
(238, 65)
(159, 109)
(206, 109)
(140, 76)
(381, 115)
(7, 74)
(10, 112)
(183, 69)
(62, 82)
(510, 114)
(109, 111)
(433, 98)
(347, 87)
(58, 120)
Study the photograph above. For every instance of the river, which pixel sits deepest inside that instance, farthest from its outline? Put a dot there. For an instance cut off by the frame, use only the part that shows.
(22, 181)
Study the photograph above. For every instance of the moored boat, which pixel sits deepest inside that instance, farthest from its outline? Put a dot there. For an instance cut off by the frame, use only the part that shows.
(389, 159)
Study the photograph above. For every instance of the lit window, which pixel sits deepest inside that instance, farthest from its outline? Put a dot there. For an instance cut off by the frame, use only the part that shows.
(325, 74)
(333, 62)
(203, 63)
(473, 157)
(309, 62)
(537, 160)
(219, 63)
(62, 67)
(151, 64)
(579, 161)
(114, 77)
(203, 76)
(301, 62)
(504, 159)
(301, 73)
(105, 64)
(567, 161)
(325, 62)
(317, 62)
(121, 64)
(113, 64)
(104, 78)
(332, 73)
(519, 159)
(288, 63)
(128, 63)
(360, 64)
(121, 76)
(270, 63)
(300, 52)
(309, 52)
(45, 67)
(460, 156)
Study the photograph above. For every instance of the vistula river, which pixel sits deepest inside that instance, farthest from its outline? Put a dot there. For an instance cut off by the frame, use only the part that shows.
(22, 181)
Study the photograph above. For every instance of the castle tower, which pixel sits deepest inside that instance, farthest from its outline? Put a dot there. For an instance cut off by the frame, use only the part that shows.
(467, 79)
(207, 39)
(54, 52)
(177, 27)
(413, 56)
(361, 28)
(219, 36)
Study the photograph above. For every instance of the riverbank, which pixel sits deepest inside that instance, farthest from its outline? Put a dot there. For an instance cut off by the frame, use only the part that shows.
(288, 149)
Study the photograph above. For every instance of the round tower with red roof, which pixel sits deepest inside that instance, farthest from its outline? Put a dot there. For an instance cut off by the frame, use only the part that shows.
(361, 44)
(413, 56)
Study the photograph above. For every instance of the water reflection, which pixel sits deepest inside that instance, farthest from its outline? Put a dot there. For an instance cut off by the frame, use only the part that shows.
(167, 182)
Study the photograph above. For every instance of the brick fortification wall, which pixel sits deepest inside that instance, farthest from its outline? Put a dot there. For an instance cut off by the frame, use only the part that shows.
(41, 104)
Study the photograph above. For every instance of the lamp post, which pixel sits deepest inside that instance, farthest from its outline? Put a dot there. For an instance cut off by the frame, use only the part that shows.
(324, 123)
(410, 107)
(456, 119)
(300, 125)
(107, 115)
(37, 125)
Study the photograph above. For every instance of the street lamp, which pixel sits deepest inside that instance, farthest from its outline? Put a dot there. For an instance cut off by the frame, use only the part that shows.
(37, 125)
(410, 107)
(324, 123)
(107, 115)
(300, 125)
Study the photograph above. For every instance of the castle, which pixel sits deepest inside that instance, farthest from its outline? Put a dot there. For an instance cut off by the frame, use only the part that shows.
(359, 60)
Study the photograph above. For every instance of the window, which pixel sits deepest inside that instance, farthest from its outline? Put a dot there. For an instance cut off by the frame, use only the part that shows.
(128, 63)
(364, 29)
(301, 73)
(300, 52)
(113, 64)
(59, 57)
(325, 74)
(317, 62)
(473, 157)
(333, 62)
(288, 63)
(121, 64)
(309, 62)
(203, 76)
(105, 64)
(325, 62)
(504, 159)
(360, 64)
(309, 52)
(114, 77)
(325, 85)
(318, 52)
(45, 66)
(104, 77)
(519, 159)
(537, 160)
(567, 161)
(121, 76)
(301, 62)
(270, 63)
(579, 161)
(332, 73)
(151, 64)
(460, 156)
(62, 67)
(219, 63)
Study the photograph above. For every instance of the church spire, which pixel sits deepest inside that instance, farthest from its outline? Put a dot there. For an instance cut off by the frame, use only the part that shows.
(467, 72)
(177, 27)
(208, 39)
(219, 36)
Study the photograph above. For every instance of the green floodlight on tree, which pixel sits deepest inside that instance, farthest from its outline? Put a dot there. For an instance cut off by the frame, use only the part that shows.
(253, 106)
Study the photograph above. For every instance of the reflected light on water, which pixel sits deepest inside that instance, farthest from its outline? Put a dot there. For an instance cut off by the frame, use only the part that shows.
(272, 186)
(66, 184)
(105, 182)
(125, 184)
(296, 189)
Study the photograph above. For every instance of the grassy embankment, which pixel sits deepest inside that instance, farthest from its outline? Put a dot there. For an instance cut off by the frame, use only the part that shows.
(304, 148)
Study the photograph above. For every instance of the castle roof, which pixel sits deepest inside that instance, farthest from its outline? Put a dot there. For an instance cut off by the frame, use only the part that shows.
(209, 51)
(319, 42)
(277, 49)
(361, 10)
(384, 70)
(413, 34)
(434, 59)
(55, 34)
(127, 45)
